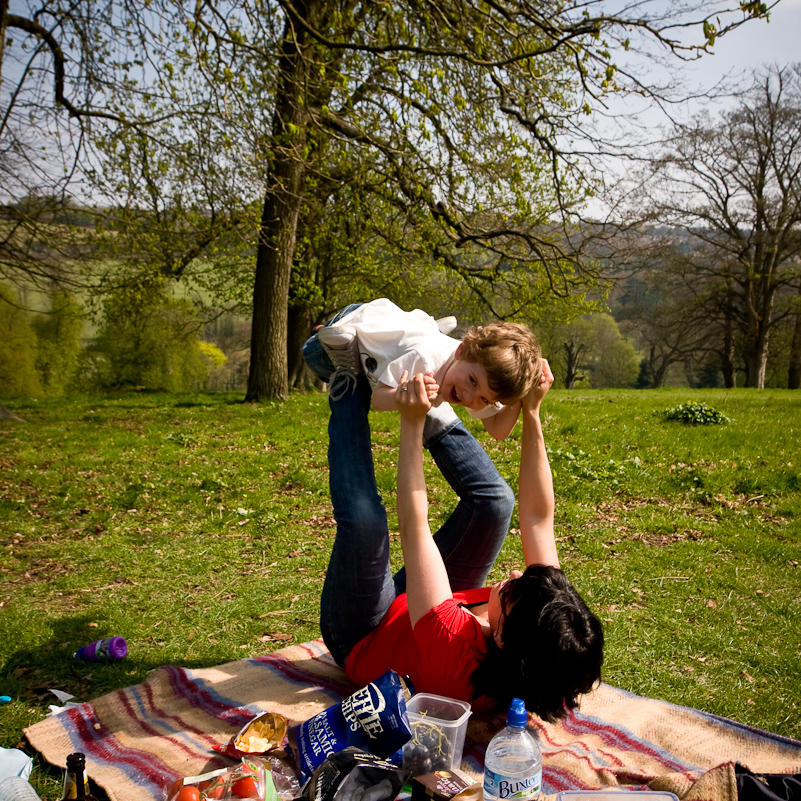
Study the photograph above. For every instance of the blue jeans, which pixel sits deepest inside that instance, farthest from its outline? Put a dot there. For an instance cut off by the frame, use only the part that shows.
(359, 586)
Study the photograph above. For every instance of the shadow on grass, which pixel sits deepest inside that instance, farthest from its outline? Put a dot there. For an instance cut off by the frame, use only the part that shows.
(30, 675)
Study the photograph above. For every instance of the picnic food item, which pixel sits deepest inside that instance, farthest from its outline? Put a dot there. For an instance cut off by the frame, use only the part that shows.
(439, 725)
(446, 785)
(513, 761)
(373, 718)
(108, 650)
(76, 784)
(251, 778)
(264, 734)
(355, 775)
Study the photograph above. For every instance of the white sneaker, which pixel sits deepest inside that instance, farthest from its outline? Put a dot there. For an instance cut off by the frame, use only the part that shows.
(446, 324)
(342, 346)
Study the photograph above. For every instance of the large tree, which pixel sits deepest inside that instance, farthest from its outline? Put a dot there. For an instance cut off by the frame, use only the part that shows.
(460, 107)
(731, 188)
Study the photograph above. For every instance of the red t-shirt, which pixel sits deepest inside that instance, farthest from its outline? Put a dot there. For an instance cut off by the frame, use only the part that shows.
(439, 655)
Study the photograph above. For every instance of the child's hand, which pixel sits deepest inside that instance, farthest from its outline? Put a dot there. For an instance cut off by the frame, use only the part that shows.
(432, 387)
(534, 398)
(411, 396)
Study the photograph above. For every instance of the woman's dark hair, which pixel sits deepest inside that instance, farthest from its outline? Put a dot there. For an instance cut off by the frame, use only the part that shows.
(552, 646)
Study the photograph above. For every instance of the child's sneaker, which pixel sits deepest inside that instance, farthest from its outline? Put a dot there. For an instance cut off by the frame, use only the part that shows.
(446, 324)
(342, 346)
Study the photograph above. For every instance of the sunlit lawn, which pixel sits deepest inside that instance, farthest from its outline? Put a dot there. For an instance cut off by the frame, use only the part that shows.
(198, 528)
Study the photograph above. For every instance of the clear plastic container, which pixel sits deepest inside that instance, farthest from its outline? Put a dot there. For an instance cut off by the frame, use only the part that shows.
(439, 725)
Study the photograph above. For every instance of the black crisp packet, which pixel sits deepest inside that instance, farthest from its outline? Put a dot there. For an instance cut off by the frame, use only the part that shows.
(355, 775)
(373, 719)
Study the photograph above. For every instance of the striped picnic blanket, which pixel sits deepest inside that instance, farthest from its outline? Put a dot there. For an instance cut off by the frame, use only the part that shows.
(138, 740)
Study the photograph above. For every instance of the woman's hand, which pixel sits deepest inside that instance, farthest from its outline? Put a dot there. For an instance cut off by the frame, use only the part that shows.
(534, 398)
(413, 395)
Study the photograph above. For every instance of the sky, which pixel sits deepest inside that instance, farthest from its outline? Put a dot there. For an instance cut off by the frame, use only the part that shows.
(752, 45)
(734, 57)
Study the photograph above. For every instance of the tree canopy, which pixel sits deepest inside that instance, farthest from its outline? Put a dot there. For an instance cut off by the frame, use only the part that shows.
(453, 126)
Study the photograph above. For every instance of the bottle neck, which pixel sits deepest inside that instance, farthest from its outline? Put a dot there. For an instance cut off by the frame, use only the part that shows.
(74, 782)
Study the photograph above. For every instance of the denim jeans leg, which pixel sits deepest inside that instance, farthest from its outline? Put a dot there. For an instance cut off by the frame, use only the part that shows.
(358, 586)
(472, 537)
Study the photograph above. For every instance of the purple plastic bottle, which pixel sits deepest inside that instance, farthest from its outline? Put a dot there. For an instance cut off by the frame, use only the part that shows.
(103, 650)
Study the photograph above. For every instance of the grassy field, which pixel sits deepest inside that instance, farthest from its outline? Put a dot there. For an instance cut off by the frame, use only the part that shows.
(198, 528)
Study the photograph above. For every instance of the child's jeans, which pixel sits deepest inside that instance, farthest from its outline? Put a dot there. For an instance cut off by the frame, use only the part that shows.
(359, 585)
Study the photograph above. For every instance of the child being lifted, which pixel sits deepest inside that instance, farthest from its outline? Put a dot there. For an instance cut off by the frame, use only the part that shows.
(488, 372)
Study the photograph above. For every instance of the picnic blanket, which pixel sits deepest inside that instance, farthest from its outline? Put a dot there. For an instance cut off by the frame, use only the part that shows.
(138, 740)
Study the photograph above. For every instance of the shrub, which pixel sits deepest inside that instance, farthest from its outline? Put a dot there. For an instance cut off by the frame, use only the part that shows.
(147, 341)
(59, 343)
(695, 414)
(18, 375)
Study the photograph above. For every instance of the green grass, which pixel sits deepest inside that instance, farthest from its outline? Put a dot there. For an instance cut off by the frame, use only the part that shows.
(198, 528)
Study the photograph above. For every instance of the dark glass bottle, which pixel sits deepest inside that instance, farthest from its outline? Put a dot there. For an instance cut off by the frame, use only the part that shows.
(76, 784)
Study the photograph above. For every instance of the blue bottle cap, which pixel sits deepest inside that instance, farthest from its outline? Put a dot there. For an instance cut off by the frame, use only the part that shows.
(5, 699)
(517, 714)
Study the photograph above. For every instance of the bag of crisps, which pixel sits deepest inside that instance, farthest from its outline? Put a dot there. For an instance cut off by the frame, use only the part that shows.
(373, 718)
(265, 734)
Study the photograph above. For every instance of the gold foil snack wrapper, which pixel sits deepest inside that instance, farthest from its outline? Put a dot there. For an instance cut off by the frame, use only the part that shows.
(265, 734)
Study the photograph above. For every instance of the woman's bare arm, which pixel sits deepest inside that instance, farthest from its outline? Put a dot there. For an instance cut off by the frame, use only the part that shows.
(427, 583)
(535, 492)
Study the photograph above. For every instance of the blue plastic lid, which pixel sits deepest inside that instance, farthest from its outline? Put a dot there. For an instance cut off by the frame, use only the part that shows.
(517, 714)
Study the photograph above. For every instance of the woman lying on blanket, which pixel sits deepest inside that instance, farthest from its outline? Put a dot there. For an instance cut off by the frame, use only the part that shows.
(530, 636)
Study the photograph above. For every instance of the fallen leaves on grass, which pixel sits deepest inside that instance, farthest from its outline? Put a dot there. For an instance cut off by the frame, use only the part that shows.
(275, 636)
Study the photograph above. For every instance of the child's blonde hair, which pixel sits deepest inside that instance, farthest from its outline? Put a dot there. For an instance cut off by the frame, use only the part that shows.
(510, 356)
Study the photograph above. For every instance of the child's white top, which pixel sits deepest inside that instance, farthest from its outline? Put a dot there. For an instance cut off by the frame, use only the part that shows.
(392, 341)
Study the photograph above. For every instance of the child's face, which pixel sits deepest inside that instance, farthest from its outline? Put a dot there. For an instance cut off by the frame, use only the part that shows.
(465, 383)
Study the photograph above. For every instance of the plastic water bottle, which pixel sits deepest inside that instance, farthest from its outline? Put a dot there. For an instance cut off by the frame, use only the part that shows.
(15, 788)
(103, 650)
(513, 762)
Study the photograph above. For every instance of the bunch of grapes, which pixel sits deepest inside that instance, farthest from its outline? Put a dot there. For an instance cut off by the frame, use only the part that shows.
(427, 751)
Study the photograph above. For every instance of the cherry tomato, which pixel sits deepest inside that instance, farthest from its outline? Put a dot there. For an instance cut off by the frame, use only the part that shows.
(246, 787)
(212, 790)
(188, 793)
(175, 788)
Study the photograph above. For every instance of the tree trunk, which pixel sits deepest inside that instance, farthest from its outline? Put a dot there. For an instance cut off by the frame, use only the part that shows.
(572, 352)
(269, 377)
(756, 361)
(3, 19)
(301, 320)
(760, 312)
(658, 364)
(794, 373)
(5, 414)
(727, 365)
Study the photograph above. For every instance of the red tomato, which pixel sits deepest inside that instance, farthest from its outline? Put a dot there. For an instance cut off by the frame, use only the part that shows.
(175, 788)
(246, 787)
(211, 790)
(188, 793)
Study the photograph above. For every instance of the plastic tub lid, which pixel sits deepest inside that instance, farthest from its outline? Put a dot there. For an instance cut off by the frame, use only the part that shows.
(446, 710)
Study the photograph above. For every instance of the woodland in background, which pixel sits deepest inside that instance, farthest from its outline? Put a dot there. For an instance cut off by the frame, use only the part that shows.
(253, 167)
